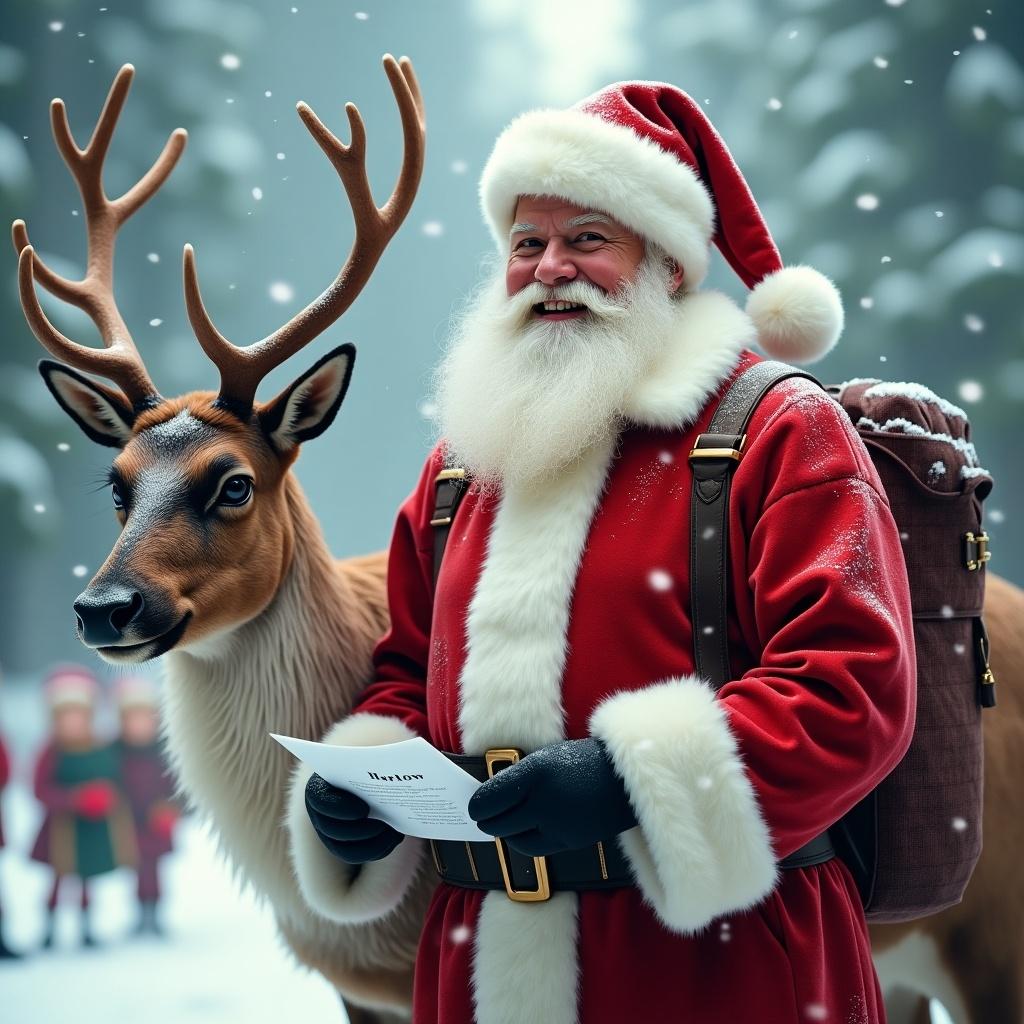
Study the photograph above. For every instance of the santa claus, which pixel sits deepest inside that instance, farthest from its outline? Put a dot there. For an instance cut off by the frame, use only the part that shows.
(661, 849)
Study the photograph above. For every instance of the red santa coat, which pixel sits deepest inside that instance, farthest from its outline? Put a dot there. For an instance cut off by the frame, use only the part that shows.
(566, 613)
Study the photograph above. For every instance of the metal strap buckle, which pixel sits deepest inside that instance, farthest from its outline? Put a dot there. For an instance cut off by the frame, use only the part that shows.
(446, 474)
(510, 755)
(718, 453)
(978, 555)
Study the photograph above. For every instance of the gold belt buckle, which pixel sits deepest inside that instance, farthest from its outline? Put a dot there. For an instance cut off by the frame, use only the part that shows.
(543, 891)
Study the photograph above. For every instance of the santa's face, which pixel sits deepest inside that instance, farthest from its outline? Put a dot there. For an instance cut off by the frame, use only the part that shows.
(526, 388)
(554, 242)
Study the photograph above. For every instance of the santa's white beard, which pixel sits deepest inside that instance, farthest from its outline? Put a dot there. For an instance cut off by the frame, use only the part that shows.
(519, 398)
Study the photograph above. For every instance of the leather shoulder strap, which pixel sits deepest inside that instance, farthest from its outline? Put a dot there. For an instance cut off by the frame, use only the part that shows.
(449, 487)
(714, 457)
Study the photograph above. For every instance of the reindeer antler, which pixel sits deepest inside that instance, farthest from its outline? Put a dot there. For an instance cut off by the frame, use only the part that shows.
(242, 369)
(118, 360)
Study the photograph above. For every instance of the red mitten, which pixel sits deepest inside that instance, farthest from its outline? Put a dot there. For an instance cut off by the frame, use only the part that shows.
(95, 800)
(162, 820)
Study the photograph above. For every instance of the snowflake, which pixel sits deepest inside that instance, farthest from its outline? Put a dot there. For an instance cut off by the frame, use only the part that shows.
(867, 201)
(974, 323)
(280, 156)
(40, 508)
(708, 630)
(79, 571)
(970, 390)
(946, 611)
(460, 934)
(867, 302)
(959, 824)
(155, 322)
(959, 648)
(433, 229)
(979, 33)
(666, 457)
(997, 515)
(459, 167)
(56, 26)
(659, 580)
(707, 533)
(995, 258)
(881, 62)
(230, 61)
(63, 446)
(774, 103)
(257, 193)
(815, 1011)
(281, 291)
(153, 257)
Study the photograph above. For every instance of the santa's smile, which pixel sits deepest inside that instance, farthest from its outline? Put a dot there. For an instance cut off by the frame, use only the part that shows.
(559, 310)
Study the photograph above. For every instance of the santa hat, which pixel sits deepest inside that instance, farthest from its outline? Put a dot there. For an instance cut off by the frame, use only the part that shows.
(68, 685)
(136, 692)
(646, 154)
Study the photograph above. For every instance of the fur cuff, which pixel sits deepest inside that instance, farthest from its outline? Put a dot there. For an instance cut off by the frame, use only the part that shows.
(332, 888)
(702, 848)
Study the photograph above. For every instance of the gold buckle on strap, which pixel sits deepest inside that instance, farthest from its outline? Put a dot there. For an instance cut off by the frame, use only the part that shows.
(447, 474)
(543, 891)
(719, 453)
(976, 558)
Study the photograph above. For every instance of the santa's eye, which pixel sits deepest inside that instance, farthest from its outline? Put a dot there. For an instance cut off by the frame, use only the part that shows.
(117, 497)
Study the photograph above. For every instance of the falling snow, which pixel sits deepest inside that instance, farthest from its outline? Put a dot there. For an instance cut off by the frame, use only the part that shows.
(959, 824)
(230, 61)
(867, 302)
(63, 446)
(459, 166)
(997, 515)
(660, 580)
(257, 193)
(433, 229)
(970, 391)
(280, 156)
(979, 33)
(946, 611)
(815, 1011)
(79, 570)
(460, 934)
(707, 533)
(974, 323)
(867, 201)
(56, 26)
(774, 103)
(39, 508)
(155, 322)
(362, 16)
(959, 648)
(708, 630)
(281, 291)
(153, 257)
(881, 62)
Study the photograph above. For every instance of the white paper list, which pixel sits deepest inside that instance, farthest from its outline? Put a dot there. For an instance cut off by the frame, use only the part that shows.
(411, 785)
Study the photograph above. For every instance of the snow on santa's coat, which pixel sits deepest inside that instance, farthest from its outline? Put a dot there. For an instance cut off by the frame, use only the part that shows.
(565, 612)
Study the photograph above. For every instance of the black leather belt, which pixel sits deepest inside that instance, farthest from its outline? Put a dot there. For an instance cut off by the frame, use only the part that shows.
(495, 865)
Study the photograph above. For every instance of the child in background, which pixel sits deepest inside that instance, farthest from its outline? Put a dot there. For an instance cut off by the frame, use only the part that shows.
(149, 790)
(87, 829)
(6, 953)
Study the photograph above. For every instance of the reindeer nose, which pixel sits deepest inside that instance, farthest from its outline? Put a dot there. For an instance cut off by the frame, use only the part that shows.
(105, 613)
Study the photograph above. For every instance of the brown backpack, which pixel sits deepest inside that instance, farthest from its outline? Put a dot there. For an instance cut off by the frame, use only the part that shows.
(912, 843)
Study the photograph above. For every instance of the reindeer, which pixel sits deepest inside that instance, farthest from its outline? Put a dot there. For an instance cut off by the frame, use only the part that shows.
(971, 956)
(220, 565)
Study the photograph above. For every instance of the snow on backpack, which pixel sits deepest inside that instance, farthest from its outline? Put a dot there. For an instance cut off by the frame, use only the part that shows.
(912, 843)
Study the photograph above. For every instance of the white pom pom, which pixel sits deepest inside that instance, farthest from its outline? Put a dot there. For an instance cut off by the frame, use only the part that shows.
(798, 314)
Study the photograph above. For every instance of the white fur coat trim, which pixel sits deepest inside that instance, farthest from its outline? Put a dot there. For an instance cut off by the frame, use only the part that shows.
(712, 332)
(326, 883)
(702, 848)
(607, 167)
(525, 958)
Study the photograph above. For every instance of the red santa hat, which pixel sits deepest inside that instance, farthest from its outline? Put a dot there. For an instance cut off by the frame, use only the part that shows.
(71, 685)
(646, 154)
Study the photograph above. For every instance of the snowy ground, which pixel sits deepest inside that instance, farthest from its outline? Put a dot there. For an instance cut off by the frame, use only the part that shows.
(220, 960)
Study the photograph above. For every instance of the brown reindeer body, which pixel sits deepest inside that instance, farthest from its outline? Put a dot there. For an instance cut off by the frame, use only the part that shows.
(971, 956)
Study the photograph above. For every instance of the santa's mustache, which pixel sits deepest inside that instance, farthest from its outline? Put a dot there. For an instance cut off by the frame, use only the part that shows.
(519, 310)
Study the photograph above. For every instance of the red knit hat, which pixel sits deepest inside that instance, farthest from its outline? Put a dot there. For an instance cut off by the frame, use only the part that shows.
(71, 684)
(646, 154)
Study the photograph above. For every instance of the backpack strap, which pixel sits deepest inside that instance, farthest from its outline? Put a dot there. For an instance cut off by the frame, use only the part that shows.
(714, 456)
(449, 487)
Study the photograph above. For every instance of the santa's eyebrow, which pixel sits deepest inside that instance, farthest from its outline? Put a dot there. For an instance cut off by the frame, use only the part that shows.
(524, 226)
(587, 218)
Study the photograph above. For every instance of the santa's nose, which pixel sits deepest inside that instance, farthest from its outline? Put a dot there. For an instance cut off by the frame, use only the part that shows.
(556, 264)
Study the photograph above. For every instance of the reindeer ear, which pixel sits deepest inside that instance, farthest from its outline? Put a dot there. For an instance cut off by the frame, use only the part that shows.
(306, 408)
(100, 411)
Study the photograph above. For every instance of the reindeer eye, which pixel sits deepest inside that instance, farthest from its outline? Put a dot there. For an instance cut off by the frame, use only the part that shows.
(117, 497)
(236, 491)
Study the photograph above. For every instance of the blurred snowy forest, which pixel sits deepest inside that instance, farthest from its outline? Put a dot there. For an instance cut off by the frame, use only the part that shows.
(884, 140)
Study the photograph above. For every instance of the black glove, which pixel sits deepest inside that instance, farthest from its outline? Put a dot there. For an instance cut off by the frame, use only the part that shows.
(562, 797)
(342, 822)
